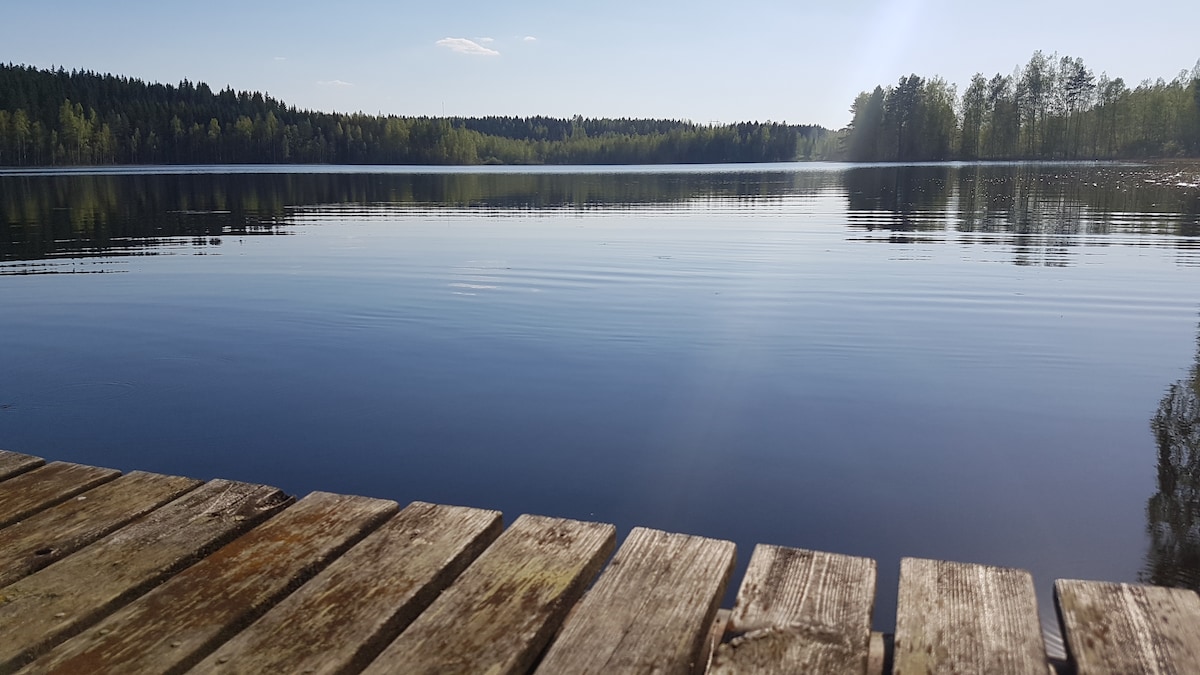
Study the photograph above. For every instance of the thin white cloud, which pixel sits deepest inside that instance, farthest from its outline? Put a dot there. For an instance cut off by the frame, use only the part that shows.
(465, 46)
(485, 40)
(281, 58)
(530, 38)
(335, 83)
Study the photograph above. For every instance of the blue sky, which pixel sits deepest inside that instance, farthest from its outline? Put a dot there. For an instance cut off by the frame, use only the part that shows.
(704, 61)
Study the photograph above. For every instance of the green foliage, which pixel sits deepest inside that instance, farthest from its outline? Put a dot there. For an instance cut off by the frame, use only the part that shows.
(56, 117)
(1051, 108)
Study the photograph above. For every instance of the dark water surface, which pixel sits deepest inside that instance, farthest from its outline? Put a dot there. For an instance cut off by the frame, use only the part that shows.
(991, 363)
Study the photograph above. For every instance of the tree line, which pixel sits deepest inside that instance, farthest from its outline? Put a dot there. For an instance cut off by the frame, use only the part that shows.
(56, 117)
(1052, 108)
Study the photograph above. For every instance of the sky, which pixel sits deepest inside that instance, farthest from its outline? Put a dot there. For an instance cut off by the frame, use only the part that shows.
(702, 61)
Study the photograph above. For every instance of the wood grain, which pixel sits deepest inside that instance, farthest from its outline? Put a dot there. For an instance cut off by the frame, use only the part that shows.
(55, 603)
(499, 615)
(1126, 628)
(651, 610)
(176, 624)
(13, 463)
(24, 495)
(801, 612)
(50, 535)
(347, 614)
(963, 618)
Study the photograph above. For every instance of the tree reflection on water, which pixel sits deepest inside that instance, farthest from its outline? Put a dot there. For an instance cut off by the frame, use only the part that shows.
(1038, 210)
(1173, 513)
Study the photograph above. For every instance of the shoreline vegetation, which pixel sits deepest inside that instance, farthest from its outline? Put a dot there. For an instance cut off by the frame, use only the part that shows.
(1053, 108)
(55, 117)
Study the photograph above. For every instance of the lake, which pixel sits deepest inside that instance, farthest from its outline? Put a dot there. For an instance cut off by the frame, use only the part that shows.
(991, 363)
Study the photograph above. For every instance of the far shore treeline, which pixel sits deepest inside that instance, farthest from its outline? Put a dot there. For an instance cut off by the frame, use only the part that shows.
(56, 117)
(1052, 108)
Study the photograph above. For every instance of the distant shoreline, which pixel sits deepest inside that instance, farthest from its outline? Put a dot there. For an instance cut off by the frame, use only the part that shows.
(1187, 163)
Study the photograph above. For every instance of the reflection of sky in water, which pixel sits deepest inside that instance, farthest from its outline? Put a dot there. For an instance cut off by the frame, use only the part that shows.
(758, 369)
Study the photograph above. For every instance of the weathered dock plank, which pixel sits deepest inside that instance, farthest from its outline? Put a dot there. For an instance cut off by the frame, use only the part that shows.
(961, 618)
(13, 463)
(26, 494)
(801, 612)
(177, 623)
(103, 573)
(499, 615)
(1129, 629)
(650, 611)
(58, 531)
(51, 605)
(347, 614)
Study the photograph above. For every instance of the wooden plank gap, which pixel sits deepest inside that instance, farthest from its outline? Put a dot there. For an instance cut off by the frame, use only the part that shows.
(173, 626)
(498, 616)
(342, 619)
(24, 495)
(14, 463)
(51, 535)
(652, 609)
(801, 611)
(53, 604)
(882, 647)
(716, 636)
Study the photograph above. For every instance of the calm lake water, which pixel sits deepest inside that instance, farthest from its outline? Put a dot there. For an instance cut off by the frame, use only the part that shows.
(985, 363)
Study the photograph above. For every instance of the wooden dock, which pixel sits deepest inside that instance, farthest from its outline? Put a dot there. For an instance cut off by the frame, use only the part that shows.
(143, 573)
